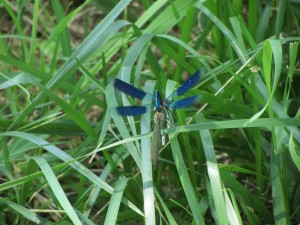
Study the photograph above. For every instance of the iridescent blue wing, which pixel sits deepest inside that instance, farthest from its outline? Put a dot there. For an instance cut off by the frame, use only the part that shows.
(129, 89)
(133, 92)
(187, 85)
(131, 110)
(186, 102)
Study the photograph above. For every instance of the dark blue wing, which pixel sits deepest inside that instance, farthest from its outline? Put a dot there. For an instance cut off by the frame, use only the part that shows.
(184, 102)
(188, 84)
(131, 110)
(129, 89)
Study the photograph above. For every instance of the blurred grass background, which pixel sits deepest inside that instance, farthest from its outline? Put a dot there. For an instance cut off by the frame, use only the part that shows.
(67, 158)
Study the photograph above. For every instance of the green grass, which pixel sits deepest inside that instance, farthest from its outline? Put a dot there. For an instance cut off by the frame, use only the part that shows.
(66, 156)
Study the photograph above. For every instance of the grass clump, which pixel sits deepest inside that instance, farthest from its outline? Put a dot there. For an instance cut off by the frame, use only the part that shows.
(67, 157)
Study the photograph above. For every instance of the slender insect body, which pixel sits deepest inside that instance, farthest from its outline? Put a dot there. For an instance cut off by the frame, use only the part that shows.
(157, 137)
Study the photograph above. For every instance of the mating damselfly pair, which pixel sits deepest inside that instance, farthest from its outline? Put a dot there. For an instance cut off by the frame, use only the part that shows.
(162, 107)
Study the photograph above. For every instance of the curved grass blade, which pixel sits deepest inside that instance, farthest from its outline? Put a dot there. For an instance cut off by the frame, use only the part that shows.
(293, 151)
(229, 124)
(57, 189)
(96, 39)
(166, 210)
(185, 180)
(21, 210)
(77, 166)
(215, 182)
(232, 208)
(74, 114)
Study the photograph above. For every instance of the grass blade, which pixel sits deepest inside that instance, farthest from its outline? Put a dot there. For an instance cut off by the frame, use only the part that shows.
(22, 210)
(57, 189)
(115, 201)
(214, 176)
(185, 181)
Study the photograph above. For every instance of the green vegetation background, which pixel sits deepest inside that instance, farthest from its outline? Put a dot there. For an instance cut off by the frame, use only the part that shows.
(67, 158)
